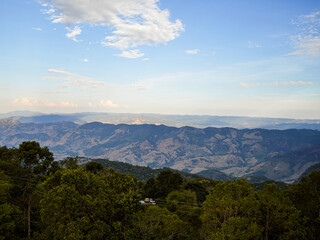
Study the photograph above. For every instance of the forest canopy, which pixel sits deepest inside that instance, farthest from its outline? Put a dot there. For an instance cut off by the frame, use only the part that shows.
(44, 199)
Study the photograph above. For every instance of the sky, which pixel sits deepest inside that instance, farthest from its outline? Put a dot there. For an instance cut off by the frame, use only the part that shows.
(258, 58)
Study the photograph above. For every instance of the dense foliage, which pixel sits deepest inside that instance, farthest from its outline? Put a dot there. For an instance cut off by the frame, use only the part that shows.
(140, 172)
(41, 199)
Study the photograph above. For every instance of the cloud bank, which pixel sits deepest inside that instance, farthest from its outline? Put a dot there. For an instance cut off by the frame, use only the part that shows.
(26, 102)
(73, 80)
(133, 22)
(276, 84)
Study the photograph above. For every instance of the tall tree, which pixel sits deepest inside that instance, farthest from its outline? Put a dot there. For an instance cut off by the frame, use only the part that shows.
(231, 211)
(37, 162)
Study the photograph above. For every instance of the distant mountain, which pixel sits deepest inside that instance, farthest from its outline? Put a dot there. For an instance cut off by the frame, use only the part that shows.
(199, 121)
(280, 155)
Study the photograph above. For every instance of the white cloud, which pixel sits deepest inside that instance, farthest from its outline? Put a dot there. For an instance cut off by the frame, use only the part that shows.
(194, 51)
(135, 53)
(254, 45)
(50, 11)
(307, 46)
(74, 33)
(85, 60)
(307, 42)
(52, 70)
(288, 83)
(108, 103)
(37, 29)
(72, 79)
(48, 104)
(134, 22)
(22, 102)
(68, 104)
(25, 102)
(90, 104)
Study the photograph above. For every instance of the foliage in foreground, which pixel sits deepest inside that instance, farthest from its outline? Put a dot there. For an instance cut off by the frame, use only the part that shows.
(71, 202)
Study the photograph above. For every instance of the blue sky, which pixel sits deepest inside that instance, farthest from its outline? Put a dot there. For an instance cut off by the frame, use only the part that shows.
(206, 57)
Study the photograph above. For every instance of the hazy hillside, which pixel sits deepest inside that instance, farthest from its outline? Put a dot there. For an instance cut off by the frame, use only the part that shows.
(235, 152)
(200, 121)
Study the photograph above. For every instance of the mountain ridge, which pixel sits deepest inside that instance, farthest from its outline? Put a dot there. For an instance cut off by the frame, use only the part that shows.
(199, 121)
(238, 153)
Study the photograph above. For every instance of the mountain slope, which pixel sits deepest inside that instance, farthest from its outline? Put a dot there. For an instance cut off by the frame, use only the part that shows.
(292, 164)
(315, 167)
(232, 151)
(200, 121)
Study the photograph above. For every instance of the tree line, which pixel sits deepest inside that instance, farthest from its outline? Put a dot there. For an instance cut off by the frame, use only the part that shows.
(44, 199)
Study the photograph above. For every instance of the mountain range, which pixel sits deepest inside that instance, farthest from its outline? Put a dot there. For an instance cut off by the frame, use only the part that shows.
(281, 155)
(199, 121)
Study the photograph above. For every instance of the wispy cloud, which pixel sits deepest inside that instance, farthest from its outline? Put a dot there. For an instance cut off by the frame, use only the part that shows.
(52, 70)
(73, 33)
(85, 60)
(135, 53)
(194, 51)
(307, 42)
(254, 45)
(26, 102)
(135, 22)
(72, 79)
(37, 29)
(137, 86)
(276, 84)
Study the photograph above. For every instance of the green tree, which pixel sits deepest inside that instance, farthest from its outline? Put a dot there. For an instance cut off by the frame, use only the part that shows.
(12, 186)
(155, 223)
(198, 186)
(9, 218)
(78, 204)
(166, 182)
(184, 204)
(37, 162)
(70, 162)
(306, 197)
(94, 167)
(231, 211)
(9, 213)
(280, 219)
